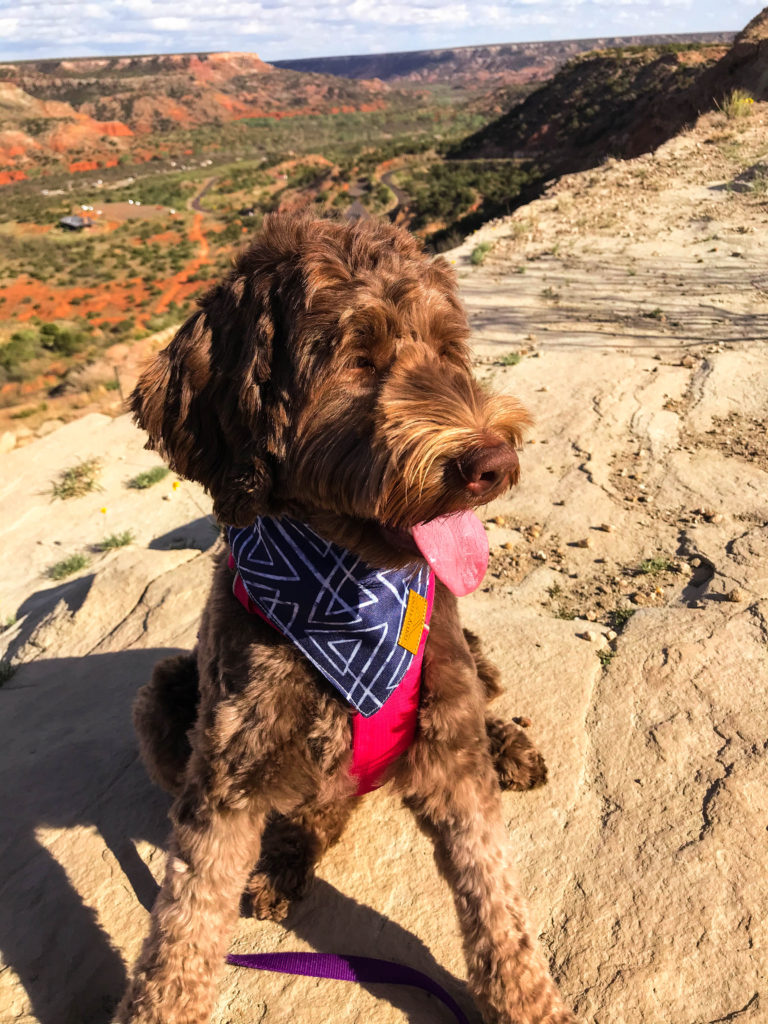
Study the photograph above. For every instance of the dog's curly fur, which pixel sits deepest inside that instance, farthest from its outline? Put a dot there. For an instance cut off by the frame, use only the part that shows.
(327, 378)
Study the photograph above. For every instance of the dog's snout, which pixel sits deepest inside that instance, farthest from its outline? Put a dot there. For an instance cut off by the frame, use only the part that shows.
(484, 469)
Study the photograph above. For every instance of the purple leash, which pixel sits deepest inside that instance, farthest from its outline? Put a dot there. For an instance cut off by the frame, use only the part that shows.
(363, 969)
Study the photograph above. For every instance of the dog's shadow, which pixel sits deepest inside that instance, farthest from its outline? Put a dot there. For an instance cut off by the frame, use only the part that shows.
(68, 758)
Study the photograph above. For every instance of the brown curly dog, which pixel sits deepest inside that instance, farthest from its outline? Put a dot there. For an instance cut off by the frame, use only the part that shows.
(327, 382)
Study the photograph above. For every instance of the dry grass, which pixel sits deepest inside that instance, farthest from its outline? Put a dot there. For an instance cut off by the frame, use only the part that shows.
(77, 480)
(738, 103)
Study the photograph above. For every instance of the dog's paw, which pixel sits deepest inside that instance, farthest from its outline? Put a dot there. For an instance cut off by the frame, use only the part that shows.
(518, 763)
(281, 877)
(261, 900)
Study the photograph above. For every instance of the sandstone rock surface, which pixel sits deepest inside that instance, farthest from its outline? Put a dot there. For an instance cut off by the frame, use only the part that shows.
(645, 365)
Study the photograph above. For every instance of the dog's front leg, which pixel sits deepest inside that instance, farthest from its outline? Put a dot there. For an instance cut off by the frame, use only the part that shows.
(448, 780)
(458, 807)
(212, 852)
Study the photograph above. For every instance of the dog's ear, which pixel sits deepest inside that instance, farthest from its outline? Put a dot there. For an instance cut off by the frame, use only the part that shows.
(209, 401)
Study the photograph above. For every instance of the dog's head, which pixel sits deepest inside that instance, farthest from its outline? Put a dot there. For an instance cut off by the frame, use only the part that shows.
(328, 377)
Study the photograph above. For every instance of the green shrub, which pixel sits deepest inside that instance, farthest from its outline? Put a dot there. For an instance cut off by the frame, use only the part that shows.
(510, 359)
(655, 566)
(116, 540)
(480, 252)
(63, 341)
(619, 617)
(149, 477)
(22, 347)
(67, 566)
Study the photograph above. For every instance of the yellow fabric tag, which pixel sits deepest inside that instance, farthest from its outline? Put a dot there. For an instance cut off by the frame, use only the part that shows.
(413, 623)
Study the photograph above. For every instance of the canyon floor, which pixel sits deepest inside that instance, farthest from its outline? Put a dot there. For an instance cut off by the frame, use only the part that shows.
(626, 604)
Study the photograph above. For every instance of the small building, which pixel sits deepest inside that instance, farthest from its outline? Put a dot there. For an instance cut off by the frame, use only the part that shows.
(75, 222)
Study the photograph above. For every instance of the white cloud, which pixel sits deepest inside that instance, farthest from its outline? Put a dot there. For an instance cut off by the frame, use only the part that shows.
(169, 24)
(367, 11)
(279, 28)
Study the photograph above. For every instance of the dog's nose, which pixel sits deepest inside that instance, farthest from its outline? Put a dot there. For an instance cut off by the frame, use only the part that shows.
(485, 468)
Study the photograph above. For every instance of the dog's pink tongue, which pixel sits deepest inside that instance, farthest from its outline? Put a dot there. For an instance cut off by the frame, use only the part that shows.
(457, 549)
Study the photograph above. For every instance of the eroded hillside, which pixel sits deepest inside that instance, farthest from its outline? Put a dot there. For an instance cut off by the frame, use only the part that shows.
(90, 114)
(624, 101)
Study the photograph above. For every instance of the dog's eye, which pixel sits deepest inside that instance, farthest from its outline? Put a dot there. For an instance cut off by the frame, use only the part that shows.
(363, 363)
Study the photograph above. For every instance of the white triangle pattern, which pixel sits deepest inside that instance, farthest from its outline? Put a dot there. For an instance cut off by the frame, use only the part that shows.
(344, 615)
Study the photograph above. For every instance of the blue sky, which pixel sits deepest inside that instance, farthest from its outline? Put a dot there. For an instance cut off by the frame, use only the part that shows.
(304, 28)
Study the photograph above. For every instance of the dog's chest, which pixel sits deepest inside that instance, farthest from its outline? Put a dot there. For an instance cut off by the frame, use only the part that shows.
(364, 629)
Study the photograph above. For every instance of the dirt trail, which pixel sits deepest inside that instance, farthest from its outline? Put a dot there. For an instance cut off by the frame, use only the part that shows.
(175, 286)
(194, 202)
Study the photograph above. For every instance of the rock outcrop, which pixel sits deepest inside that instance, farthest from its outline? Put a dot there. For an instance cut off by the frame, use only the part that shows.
(626, 604)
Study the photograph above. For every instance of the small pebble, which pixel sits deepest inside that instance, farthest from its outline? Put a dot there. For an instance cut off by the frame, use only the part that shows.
(586, 542)
(589, 635)
(540, 555)
(499, 520)
(508, 545)
(736, 595)
(607, 528)
(695, 562)
(611, 634)
(590, 616)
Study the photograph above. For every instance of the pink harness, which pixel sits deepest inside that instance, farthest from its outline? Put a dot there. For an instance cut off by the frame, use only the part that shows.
(381, 738)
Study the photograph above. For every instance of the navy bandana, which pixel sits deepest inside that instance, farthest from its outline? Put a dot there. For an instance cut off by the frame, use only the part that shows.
(356, 624)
